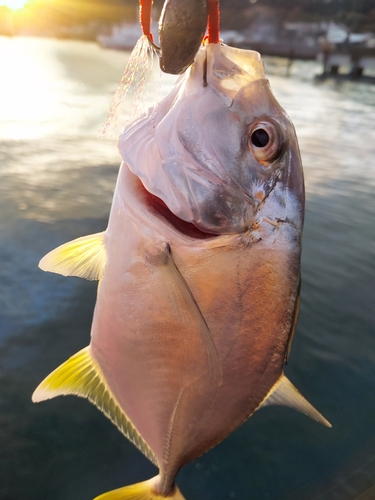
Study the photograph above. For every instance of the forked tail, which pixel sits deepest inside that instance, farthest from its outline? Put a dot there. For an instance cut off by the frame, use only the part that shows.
(141, 491)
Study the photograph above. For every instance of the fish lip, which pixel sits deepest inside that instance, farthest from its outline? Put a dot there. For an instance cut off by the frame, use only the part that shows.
(153, 204)
(153, 207)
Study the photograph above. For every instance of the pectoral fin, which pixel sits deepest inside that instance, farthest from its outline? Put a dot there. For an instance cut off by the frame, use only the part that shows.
(283, 393)
(177, 291)
(80, 375)
(84, 257)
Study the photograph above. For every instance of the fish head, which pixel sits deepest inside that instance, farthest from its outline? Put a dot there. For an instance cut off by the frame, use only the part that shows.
(219, 149)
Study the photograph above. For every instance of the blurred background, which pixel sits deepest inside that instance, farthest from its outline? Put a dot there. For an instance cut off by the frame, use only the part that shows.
(58, 74)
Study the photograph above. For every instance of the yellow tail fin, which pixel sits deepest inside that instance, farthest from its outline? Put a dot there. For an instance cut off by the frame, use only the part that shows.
(140, 491)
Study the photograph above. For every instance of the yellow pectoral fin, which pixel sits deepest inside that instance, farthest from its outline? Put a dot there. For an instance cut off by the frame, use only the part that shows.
(81, 375)
(83, 257)
(283, 393)
(140, 491)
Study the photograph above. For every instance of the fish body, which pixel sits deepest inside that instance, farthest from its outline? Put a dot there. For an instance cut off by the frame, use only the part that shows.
(199, 270)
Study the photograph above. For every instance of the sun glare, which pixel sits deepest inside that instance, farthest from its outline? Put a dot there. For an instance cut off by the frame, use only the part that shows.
(13, 4)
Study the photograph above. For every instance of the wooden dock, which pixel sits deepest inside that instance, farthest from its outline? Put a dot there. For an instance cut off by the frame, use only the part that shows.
(354, 63)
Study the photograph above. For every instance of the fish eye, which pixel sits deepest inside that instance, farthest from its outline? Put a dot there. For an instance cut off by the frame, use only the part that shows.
(260, 138)
(264, 142)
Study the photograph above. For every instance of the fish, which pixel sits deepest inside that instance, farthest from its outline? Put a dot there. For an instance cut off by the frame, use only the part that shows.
(198, 269)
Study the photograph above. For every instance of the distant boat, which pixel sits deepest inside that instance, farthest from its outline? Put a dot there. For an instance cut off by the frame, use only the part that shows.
(123, 36)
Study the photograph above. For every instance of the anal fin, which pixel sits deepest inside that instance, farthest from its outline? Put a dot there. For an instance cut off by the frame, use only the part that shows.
(283, 393)
(80, 375)
(84, 257)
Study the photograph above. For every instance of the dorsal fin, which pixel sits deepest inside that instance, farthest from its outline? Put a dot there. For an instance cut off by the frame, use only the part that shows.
(283, 393)
(83, 257)
(80, 375)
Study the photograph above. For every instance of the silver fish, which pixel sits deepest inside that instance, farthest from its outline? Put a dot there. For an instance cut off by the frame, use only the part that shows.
(199, 270)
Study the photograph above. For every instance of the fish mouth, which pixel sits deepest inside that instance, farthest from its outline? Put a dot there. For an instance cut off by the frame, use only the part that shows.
(162, 212)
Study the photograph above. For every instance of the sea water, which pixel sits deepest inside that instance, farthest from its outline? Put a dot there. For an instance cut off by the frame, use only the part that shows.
(56, 183)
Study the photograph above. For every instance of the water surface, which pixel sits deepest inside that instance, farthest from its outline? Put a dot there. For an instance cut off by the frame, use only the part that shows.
(56, 183)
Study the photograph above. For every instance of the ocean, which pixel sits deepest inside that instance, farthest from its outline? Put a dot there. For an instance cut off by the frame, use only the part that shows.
(56, 183)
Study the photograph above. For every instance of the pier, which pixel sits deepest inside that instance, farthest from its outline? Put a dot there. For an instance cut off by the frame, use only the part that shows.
(354, 63)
